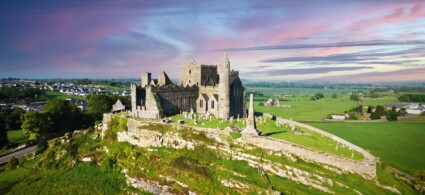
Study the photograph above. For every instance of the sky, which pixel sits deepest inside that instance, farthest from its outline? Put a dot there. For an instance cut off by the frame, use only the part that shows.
(286, 40)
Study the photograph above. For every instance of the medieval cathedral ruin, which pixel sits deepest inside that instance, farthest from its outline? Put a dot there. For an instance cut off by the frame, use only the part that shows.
(213, 89)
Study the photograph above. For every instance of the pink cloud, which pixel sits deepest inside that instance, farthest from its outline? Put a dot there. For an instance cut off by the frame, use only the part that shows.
(398, 14)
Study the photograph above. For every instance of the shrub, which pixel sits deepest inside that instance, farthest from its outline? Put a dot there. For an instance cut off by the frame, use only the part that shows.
(352, 117)
(317, 96)
(420, 175)
(392, 116)
(109, 164)
(375, 116)
(42, 145)
(12, 163)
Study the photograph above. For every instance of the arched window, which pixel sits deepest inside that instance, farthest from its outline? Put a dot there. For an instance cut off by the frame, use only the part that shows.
(212, 104)
(190, 71)
(201, 103)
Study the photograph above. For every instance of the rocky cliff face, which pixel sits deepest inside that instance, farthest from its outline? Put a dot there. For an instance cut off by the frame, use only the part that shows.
(150, 134)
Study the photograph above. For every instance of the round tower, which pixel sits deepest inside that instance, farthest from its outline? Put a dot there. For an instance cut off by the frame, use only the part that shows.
(224, 88)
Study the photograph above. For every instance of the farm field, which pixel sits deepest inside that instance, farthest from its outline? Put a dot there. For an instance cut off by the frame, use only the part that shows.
(399, 144)
(52, 95)
(301, 107)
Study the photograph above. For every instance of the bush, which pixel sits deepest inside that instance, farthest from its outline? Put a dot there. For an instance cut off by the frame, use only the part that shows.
(42, 145)
(317, 96)
(12, 163)
(109, 164)
(420, 175)
(375, 116)
(392, 116)
(352, 117)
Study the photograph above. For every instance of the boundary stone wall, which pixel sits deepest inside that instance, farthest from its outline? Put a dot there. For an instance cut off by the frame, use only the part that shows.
(368, 157)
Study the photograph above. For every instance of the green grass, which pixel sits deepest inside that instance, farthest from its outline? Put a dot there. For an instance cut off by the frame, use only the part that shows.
(82, 179)
(16, 136)
(52, 95)
(304, 109)
(414, 119)
(313, 140)
(8, 178)
(307, 138)
(399, 144)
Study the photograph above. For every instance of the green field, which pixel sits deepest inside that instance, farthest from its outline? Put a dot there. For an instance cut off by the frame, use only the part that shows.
(52, 95)
(300, 107)
(399, 144)
(16, 136)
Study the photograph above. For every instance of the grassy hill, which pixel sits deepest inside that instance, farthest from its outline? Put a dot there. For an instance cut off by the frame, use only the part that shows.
(204, 169)
(399, 144)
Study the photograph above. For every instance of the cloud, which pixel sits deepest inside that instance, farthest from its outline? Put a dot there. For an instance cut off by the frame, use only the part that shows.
(415, 74)
(400, 57)
(329, 45)
(305, 71)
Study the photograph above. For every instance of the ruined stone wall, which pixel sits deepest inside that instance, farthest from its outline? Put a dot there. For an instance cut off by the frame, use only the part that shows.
(174, 99)
(190, 75)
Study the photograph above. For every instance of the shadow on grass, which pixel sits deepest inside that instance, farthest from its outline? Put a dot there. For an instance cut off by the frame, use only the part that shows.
(272, 133)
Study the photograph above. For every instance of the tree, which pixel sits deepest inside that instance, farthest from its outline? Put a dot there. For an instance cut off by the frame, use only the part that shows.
(317, 96)
(375, 116)
(369, 109)
(64, 114)
(402, 112)
(334, 95)
(374, 95)
(100, 104)
(3, 134)
(380, 110)
(354, 97)
(35, 124)
(11, 118)
(392, 116)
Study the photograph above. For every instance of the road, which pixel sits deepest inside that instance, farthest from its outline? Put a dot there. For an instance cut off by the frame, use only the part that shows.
(17, 154)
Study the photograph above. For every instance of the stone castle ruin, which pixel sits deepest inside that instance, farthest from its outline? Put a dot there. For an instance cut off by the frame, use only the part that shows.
(207, 89)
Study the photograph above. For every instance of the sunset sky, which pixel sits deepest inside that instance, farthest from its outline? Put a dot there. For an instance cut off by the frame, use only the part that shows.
(341, 40)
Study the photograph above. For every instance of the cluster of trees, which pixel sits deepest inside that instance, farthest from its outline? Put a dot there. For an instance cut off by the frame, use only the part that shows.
(13, 94)
(58, 116)
(317, 96)
(10, 119)
(62, 115)
(3, 134)
(412, 98)
(380, 111)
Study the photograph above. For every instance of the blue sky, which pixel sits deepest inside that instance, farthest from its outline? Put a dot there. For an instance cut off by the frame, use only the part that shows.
(347, 41)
